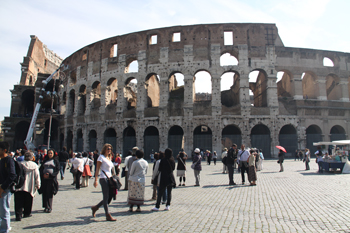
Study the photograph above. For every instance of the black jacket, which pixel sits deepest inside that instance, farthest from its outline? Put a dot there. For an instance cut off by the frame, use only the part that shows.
(7, 172)
(166, 168)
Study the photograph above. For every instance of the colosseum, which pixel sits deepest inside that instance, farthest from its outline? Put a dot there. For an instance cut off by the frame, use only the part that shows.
(140, 89)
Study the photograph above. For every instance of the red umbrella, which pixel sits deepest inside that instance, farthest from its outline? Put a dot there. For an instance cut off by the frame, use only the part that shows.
(281, 148)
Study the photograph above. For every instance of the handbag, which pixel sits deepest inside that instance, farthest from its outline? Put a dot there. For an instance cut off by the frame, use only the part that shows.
(113, 181)
(224, 160)
(86, 171)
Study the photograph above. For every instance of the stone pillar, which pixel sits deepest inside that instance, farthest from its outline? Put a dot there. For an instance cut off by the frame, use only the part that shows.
(272, 98)
(188, 96)
(121, 101)
(163, 95)
(216, 95)
(100, 137)
(244, 94)
(86, 144)
(88, 100)
(298, 87)
(321, 83)
(74, 141)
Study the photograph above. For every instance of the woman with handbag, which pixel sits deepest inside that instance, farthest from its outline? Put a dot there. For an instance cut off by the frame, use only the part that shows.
(196, 165)
(48, 175)
(87, 172)
(137, 180)
(167, 179)
(181, 167)
(104, 166)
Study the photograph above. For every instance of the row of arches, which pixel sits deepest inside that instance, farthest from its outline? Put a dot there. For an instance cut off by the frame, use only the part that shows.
(229, 87)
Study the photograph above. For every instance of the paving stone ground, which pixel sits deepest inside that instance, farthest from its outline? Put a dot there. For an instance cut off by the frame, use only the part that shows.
(291, 201)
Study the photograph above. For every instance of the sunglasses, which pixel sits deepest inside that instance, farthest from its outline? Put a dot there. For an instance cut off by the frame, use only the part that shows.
(109, 149)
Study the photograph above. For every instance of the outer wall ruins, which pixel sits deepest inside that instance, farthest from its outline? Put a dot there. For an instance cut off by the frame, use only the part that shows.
(104, 100)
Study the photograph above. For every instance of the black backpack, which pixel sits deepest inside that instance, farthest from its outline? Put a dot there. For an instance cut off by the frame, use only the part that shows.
(19, 181)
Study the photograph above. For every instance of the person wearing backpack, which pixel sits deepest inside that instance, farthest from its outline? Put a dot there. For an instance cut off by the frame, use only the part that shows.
(7, 177)
(24, 195)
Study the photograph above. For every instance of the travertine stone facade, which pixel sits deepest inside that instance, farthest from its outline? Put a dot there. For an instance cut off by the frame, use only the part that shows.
(99, 104)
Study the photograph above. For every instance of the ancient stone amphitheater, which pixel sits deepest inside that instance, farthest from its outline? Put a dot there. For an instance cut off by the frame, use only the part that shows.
(140, 89)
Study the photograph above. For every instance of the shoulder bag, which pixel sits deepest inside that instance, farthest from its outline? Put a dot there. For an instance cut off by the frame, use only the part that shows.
(113, 181)
(194, 164)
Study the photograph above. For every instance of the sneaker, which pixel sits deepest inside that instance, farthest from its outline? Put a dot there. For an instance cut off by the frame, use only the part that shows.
(155, 209)
(167, 207)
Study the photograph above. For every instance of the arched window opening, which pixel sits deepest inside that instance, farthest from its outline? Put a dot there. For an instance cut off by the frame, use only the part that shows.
(334, 91)
(82, 100)
(130, 93)
(328, 62)
(313, 134)
(152, 90)
(151, 141)
(261, 139)
(284, 87)
(310, 88)
(110, 136)
(176, 139)
(202, 138)
(228, 60)
(73, 77)
(96, 95)
(21, 131)
(92, 140)
(80, 141)
(71, 103)
(229, 87)
(258, 86)
(69, 140)
(288, 138)
(129, 140)
(133, 67)
(112, 91)
(28, 102)
(231, 134)
(202, 87)
(337, 133)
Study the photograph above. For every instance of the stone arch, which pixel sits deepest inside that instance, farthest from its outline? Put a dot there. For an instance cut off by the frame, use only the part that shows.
(21, 131)
(227, 59)
(132, 66)
(112, 91)
(82, 100)
(92, 140)
(110, 136)
(328, 62)
(288, 138)
(130, 93)
(96, 95)
(259, 89)
(152, 90)
(310, 87)
(80, 141)
(334, 90)
(337, 132)
(231, 134)
(129, 140)
(202, 87)
(176, 139)
(73, 77)
(28, 102)
(176, 94)
(151, 140)
(202, 138)
(261, 139)
(284, 84)
(71, 103)
(230, 86)
(313, 134)
(69, 140)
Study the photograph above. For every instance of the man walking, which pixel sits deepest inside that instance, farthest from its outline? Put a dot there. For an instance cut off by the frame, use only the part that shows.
(243, 156)
(231, 160)
(7, 176)
(63, 158)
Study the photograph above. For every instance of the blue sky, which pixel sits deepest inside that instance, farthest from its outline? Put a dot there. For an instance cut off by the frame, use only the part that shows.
(66, 26)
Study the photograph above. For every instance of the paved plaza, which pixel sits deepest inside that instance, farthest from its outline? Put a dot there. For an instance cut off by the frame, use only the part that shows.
(291, 201)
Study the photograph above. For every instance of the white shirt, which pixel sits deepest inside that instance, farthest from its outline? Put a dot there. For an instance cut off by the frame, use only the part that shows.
(106, 166)
(138, 171)
(78, 163)
(243, 155)
(126, 162)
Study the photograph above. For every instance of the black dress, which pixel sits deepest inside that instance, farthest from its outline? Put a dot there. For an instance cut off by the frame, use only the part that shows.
(49, 187)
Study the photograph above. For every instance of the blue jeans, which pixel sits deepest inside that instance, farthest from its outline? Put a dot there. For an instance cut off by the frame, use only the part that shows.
(5, 211)
(62, 168)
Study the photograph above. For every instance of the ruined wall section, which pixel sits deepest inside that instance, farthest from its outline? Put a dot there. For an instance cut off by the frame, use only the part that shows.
(256, 46)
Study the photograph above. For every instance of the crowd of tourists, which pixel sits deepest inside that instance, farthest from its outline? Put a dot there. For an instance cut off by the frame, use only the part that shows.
(41, 171)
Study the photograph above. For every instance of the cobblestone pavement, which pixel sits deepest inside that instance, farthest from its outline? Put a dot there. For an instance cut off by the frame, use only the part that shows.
(291, 201)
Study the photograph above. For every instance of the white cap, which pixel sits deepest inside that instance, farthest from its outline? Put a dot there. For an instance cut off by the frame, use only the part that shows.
(197, 150)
